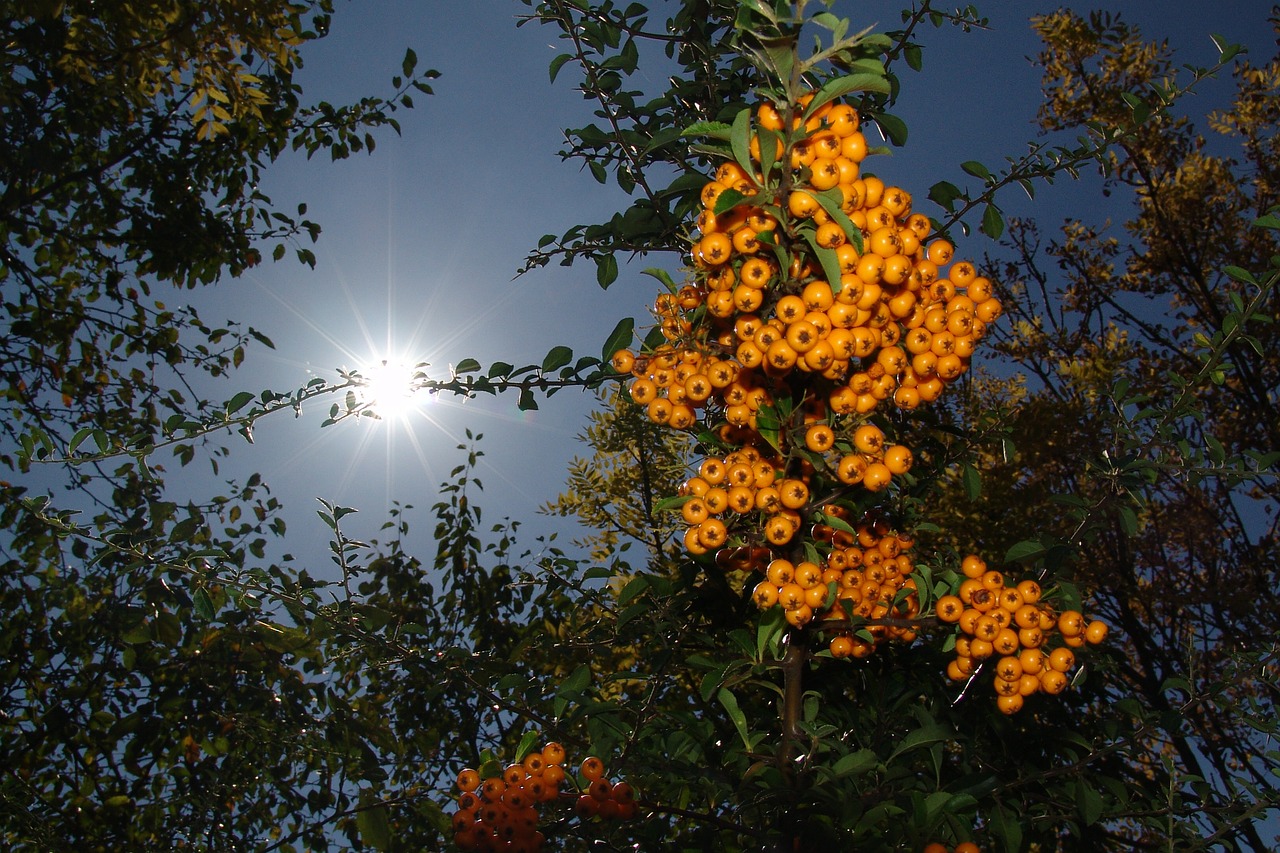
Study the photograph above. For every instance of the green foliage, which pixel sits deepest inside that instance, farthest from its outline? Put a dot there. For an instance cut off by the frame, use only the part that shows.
(169, 687)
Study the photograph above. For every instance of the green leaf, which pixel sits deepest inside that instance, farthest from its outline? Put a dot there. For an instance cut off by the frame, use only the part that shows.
(914, 56)
(838, 86)
(634, 587)
(894, 128)
(558, 63)
(557, 358)
(526, 745)
(739, 719)
(923, 736)
(1024, 551)
(1008, 829)
(606, 270)
(467, 365)
(944, 194)
(727, 201)
(374, 826)
(769, 632)
(619, 338)
(500, 368)
(768, 424)
(1270, 220)
(826, 258)
(663, 276)
(203, 604)
(740, 139)
(1227, 51)
(239, 401)
(669, 503)
(855, 763)
(1089, 802)
(78, 438)
(1241, 275)
(830, 201)
(571, 688)
(972, 481)
(992, 222)
(711, 129)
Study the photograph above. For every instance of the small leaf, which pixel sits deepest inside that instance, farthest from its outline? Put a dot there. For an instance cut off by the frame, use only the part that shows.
(558, 63)
(557, 358)
(239, 401)
(913, 55)
(923, 736)
(739, 140)
(727, 201)
(739, 719)
(375, 828)
(1024, 551)
(712, 129)
(973, 167)
(619, 338)
(203, 604)
(894, 128)
(992, 222)
(467, 365)
(855, 763)
(1239, 274)
(837, 86)
(944, 194)
(79, 437)
(1089, 802)
(662, 276)
(606, 270)
(526, 745)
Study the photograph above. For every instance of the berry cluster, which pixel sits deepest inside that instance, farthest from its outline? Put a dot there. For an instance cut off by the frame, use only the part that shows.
(1012, 626)
(867, 574)
(500, 811)
(816, 293)
(742, 483)
(603, 798)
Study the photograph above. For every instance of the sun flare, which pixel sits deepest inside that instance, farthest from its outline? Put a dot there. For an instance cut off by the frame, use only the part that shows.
(393, 388)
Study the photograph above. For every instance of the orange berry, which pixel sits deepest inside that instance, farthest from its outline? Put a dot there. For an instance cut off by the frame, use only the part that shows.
(898, 459)
(869, 439)
(1062, 659)
(1053, 682)
(1071, 623)
(553, 753)
(877, 477)
(592, 768)
(819, 438)
(468, 780)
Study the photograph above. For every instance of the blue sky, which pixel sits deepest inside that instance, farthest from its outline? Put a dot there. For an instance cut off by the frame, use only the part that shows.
(421, 240)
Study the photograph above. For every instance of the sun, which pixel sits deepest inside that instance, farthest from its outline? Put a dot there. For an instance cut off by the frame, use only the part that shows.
(393, 388)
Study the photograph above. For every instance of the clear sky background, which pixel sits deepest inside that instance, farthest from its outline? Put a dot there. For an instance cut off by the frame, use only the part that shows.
(421, 241)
